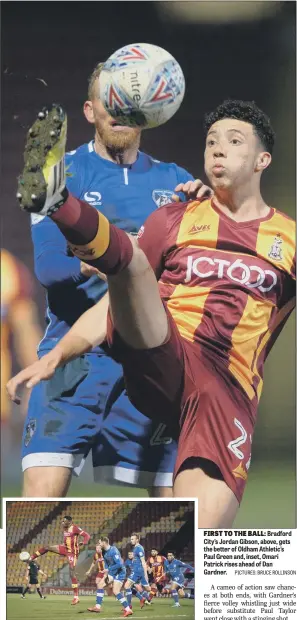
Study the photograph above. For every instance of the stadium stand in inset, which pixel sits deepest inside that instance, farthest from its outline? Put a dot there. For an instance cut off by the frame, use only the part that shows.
(36, 524)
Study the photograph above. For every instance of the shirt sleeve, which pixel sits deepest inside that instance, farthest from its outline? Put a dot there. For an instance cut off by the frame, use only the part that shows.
(73, 175)
(77, 530)
(183, 565)
(117, 561)
(86, 537)
(52, 264)
(151, 239)
(183, 175)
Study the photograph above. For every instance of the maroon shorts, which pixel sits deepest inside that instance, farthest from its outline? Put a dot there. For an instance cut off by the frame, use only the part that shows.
(183, 385)
(71, 557)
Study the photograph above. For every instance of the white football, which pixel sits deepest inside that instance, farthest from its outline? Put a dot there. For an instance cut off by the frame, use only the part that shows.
(24, 555)
(141, 85)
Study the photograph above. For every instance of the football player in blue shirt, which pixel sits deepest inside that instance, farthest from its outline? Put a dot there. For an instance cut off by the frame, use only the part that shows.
(77, 410)
(138, 575)
(129, 563)
(175, 570)
(116, 575)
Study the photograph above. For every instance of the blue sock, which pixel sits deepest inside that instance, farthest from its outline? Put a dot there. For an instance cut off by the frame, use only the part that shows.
(138, 595)
(174, 595)
(145, 594)
(129, 596)
(99, 597)
(187, 595)
(120, 597)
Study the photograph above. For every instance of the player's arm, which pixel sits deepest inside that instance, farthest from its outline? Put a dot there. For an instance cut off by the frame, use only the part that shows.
(88, 332)
(148, 567)
(117, 560)
(144, 566)
(23, 318)
(85, 536)
(42, 573)
(184, 566)
(167, 568)
(89, 571)
(52, 264)
(24, 323)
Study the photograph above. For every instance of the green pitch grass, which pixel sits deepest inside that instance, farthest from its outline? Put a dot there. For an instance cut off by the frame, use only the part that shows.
(33, 608)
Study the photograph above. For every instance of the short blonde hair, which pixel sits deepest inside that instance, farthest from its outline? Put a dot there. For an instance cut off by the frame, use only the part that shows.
(92, 79)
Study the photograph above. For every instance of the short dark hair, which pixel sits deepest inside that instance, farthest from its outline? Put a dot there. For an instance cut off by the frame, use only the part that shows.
(68, 517)
(246, 111)
(92, 79)
(104, 539)
(137, 535)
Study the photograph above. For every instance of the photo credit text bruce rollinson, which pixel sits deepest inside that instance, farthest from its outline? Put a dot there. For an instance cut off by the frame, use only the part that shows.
(247, 574)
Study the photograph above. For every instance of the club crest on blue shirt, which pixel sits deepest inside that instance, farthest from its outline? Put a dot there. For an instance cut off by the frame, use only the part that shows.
(162, 197)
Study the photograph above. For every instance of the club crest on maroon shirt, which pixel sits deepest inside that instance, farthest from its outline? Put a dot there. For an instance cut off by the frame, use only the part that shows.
(275, 251)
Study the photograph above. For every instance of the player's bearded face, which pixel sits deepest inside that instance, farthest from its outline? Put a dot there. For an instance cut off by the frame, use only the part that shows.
(113, 136)
(231, 153)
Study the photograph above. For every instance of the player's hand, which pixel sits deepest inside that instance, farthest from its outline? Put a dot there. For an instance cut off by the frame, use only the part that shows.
(88, 271)
(32, 375)
(194, 189)
(87, 573)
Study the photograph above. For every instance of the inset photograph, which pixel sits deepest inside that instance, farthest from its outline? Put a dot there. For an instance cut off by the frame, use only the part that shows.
(116, 558)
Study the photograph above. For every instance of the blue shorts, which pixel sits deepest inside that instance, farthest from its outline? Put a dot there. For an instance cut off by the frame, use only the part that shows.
(138, 577)
(179, 581)
(78, 411)
(119, 575)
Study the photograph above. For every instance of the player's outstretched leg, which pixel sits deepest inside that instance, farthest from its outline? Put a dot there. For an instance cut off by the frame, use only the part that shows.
(43, 550)
(137, 311)
(39, 552)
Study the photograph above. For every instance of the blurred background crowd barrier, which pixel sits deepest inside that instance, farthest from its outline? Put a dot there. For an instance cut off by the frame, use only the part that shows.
(226, 49)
